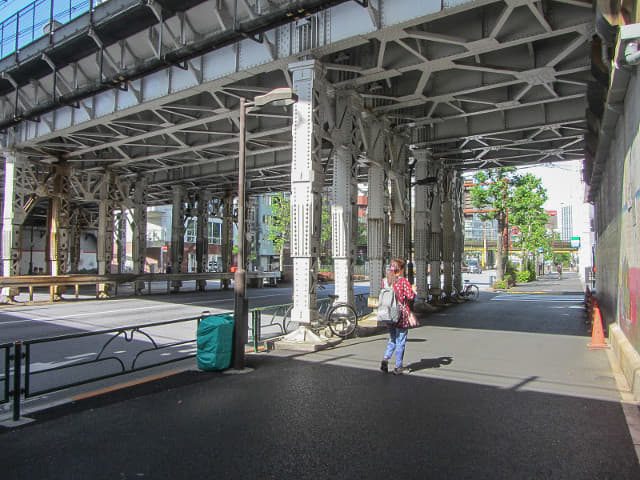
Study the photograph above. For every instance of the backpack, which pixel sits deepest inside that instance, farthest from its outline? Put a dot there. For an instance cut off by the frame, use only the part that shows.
(388, 308)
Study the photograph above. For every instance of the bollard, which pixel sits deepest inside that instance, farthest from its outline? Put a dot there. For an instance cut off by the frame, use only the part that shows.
(255, 328)
(17, 369)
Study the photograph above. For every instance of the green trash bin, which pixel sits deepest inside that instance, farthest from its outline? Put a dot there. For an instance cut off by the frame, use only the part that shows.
(215, 342)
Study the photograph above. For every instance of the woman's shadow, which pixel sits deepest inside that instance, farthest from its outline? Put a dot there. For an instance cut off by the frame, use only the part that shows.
(429, 363)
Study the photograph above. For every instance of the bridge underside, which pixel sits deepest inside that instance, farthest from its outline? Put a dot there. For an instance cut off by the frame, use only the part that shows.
(138, 104)
(480, 84)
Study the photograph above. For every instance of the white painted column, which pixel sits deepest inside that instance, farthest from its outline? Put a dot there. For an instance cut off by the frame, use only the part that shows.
(344, 210)
(139, 229)
(448, 232)
(399, 202)
(306, 183)
(343, 221)
(458, 219)
(177, 232)
(376, 233)
(60, 220)
(12, 219)
(105, 230)
(436, 229)
(422, 224)
(202, 237)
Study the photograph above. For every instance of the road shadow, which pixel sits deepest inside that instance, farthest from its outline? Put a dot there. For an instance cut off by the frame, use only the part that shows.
(426, 363)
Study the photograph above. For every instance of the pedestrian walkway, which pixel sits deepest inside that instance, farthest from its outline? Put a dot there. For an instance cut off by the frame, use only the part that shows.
(497, 390)
(552, 283)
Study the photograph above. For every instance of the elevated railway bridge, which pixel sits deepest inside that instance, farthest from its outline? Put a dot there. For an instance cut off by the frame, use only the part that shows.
(133, 104)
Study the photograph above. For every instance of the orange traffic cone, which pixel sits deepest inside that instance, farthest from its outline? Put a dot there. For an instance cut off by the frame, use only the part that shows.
(597, 333)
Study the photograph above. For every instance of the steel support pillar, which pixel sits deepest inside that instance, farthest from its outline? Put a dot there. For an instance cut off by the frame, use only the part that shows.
(202, 237)
(422, 225)
(59, 224)
(105, 230)
(121, 240)
(307, 177)
(376, 233)
(74, 243)
(344, 213)
(177, 233)
(448, 232)
(227, 238)
(436, 230)
(399, 201)
(344, 223)
(12, 220)
(458, 225)
(139, 240)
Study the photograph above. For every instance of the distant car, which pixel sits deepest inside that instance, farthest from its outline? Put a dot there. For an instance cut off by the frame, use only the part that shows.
(473, 267)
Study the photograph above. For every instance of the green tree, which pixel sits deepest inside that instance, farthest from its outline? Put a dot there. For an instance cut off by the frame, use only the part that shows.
(325, 229)
(280, 223)
(492, 195)
(527, 213)
(513, 200)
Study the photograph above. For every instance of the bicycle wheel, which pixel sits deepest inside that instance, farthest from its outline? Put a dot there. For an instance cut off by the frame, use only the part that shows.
(342, 319)
(473, 292)
(289, 324)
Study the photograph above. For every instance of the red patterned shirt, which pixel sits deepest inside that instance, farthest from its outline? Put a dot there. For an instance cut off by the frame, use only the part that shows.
(404, 294)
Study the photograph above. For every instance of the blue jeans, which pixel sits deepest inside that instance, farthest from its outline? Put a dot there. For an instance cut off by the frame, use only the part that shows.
(397, 340)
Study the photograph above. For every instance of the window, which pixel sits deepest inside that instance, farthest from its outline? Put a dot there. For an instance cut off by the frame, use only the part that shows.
(215, 232)
(190, 233)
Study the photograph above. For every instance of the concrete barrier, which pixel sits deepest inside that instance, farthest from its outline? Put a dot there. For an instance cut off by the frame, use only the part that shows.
(628, 358)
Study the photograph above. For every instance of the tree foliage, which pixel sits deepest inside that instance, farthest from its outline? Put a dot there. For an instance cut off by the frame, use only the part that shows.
(491, 194)
(527, 213)
(280, 224)
(512, 199)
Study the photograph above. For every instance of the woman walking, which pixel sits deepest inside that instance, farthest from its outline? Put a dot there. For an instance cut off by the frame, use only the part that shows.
(398, 331)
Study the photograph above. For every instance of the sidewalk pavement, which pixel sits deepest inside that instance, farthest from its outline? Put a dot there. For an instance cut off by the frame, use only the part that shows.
(502, 388)
(552, 283)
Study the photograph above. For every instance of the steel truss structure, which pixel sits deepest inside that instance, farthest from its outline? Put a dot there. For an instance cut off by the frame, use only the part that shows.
(386, 89)
(478, 84)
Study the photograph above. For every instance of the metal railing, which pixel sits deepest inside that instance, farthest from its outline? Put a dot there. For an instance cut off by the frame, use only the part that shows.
(6, 355)
(38, 19)
(34, 367)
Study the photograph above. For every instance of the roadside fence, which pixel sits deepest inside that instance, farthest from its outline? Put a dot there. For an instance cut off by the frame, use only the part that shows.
(35, 367)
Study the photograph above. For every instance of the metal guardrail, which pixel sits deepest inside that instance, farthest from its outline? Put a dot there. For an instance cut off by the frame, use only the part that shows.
(38, 19)
(75, 280)
(25, 364)
(6, 347)
(122, 366)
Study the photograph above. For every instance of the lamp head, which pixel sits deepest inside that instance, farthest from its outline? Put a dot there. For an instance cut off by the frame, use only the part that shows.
(278, 97)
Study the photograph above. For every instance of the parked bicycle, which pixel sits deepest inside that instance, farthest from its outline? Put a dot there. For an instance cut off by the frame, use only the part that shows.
(469, 292)
(341, 319)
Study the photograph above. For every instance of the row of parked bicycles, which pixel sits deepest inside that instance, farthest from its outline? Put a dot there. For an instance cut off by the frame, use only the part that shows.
(341, 319)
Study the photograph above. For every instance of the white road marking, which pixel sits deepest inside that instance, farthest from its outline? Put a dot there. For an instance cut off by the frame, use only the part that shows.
(510, 297)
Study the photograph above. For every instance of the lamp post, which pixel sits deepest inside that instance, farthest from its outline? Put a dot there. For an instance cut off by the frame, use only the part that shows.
(281, 97)
(410, 273)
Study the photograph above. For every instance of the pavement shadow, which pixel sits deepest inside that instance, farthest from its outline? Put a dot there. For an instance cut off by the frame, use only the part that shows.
(425, 363)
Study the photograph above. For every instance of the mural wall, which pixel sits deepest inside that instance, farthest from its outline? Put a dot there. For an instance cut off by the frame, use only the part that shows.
(629, 283)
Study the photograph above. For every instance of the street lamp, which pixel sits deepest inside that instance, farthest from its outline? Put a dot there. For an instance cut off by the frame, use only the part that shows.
(410, 273)
(277, 97)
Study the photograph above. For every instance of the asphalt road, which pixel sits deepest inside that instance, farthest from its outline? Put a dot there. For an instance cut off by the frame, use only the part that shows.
(503, 388)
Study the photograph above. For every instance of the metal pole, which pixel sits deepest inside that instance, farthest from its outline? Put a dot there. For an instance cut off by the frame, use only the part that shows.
(17, 369)
(241, 304)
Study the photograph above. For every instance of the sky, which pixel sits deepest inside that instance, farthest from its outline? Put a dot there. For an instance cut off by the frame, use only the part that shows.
(563, 181)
